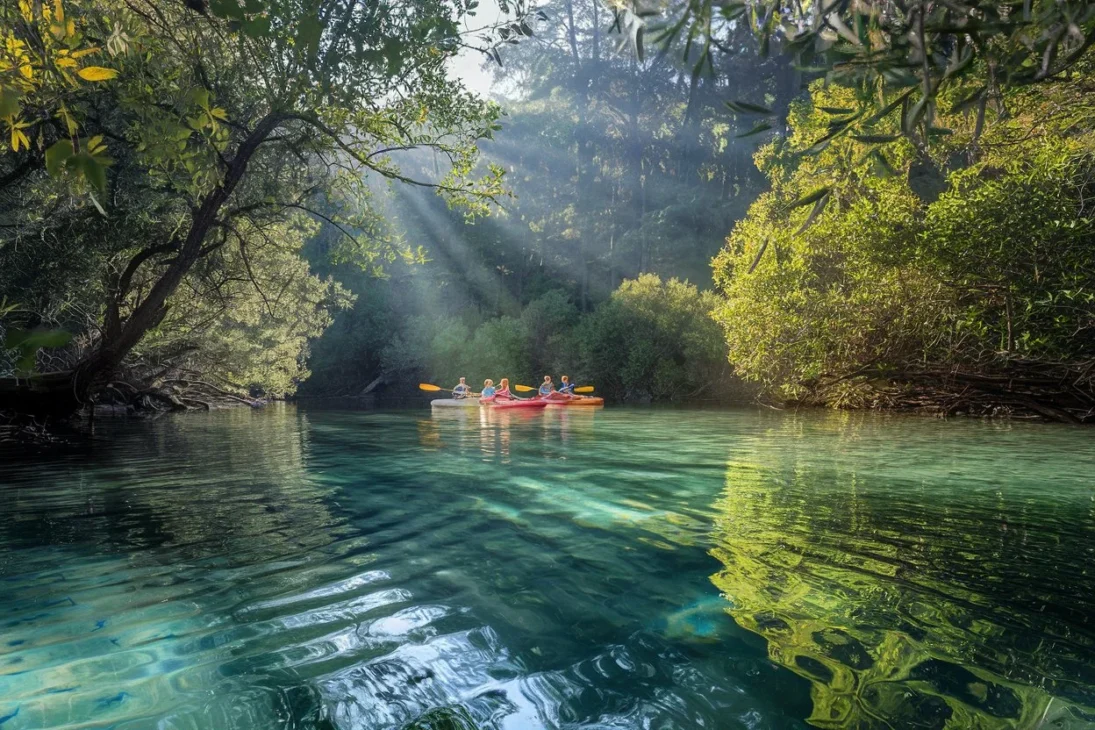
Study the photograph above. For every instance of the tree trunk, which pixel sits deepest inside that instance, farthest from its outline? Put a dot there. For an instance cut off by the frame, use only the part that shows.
(58, 393)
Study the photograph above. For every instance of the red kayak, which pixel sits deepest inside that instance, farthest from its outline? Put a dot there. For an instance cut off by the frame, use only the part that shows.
(500, 404)
(559, 399)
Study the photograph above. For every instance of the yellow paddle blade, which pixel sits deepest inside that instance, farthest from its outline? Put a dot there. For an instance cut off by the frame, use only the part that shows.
(584, 389)
(523, 389)
(427, 386)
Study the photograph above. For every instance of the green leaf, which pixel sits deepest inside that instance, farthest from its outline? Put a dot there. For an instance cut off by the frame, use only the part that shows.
(91, 168)
(881, 165)
(199, 96)
(309, 32)
(761, 127)
(836, 129)
(968, 101)
(900, 77)
(10, 105)
(56, 156)
(914, 114)
(875, 138)
(819, 206)
(810, 198)
(29, 342)
(259, 27)
(888, 109)
(742, 107)
(229, 9)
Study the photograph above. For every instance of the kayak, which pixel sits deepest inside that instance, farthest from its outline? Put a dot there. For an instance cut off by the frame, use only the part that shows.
(498, 405)
(455, 403)
(585, 401)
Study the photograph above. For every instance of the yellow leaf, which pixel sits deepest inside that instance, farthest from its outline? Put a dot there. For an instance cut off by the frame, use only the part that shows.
(58, 10)
(18, 138)
(65, 62)
(25, 9)
(95, 144)
(70, 27)
(96, 73)
(85, 52)
(218, 113)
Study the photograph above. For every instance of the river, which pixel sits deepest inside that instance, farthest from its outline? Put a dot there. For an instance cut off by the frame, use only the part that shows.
(616, 568)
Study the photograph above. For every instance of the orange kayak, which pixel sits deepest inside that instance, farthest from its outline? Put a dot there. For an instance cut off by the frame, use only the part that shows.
(574, 402)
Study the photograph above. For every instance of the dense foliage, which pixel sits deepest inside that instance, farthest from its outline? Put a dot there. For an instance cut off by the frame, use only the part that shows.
(655, 339)
(166, 162)
(967, 290)
(651, 340)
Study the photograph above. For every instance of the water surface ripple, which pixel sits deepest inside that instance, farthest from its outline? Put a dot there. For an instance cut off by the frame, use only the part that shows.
(619, 568)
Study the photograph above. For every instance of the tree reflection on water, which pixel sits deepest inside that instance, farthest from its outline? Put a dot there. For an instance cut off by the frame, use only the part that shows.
(905, 604)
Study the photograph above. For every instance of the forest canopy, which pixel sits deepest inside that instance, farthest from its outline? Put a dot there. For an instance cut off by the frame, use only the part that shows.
(273, 197)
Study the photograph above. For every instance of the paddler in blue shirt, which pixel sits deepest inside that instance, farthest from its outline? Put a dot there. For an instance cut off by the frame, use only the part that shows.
(488, 390)
(461, 390)
(546, 387)
(567, 387)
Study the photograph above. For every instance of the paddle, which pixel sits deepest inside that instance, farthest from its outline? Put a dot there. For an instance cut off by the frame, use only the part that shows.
(430, 388)
(527, 389)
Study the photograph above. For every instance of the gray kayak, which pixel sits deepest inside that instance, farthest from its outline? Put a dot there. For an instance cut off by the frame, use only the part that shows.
(455, 403)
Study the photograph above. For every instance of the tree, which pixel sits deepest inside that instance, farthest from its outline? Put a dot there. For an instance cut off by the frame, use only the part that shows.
(973, 295)
(209, 132)
(654, 340)
(900, 57)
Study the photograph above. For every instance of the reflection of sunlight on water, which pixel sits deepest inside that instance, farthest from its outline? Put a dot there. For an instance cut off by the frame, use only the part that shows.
(888, 601)
(248, 604)
(545, 570)
(449, 428)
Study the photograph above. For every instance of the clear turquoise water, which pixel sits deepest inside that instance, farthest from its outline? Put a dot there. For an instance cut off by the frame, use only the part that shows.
(569, 569)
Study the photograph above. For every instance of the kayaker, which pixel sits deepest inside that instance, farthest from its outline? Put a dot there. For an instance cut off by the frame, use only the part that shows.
(488, 390)
(503, 390)
(461, 390)
(546, 387)
(566, 387)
